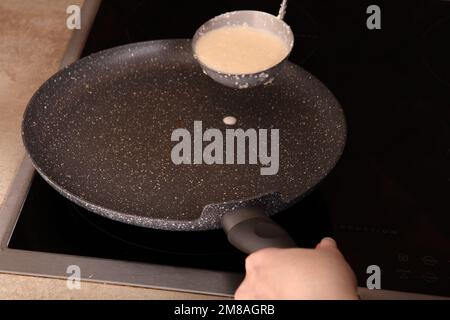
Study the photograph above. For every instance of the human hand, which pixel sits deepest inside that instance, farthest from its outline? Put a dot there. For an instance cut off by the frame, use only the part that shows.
(321, 273)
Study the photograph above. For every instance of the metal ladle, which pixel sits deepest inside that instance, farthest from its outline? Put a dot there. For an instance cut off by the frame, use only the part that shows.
(256, 19)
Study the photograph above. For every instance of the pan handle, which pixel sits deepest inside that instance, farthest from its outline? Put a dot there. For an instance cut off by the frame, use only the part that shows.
(250, 229)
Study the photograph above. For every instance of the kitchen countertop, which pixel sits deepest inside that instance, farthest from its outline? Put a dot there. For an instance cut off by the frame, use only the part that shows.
(33, 41)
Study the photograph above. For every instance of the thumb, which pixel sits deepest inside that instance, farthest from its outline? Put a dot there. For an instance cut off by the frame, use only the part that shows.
(327, 243)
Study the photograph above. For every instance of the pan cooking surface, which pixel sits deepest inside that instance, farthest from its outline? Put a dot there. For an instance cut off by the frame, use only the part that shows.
(99, 132)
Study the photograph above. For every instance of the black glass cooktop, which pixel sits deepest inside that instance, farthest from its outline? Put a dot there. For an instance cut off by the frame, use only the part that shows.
(386, 202)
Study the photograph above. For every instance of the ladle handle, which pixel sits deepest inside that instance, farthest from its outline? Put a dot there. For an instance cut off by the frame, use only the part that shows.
(250, 229)
(282, 11)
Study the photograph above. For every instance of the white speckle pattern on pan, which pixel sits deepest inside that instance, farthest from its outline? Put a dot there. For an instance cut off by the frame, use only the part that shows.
(99, 132)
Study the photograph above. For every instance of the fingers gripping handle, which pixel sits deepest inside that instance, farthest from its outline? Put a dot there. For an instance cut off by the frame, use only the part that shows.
(250, 230)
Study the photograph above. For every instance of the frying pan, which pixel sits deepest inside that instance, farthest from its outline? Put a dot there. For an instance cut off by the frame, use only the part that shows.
(99, 132)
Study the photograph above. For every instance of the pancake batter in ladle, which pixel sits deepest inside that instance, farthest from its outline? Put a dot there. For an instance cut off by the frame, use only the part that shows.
(243, 49)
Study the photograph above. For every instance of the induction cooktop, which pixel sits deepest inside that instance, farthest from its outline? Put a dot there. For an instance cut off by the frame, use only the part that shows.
(386, 202)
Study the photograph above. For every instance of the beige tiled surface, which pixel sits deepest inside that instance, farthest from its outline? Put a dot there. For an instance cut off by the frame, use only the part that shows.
(33, 37)
(24, 287)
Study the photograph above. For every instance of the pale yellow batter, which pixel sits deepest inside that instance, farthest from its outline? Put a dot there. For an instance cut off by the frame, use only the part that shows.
(240, 49)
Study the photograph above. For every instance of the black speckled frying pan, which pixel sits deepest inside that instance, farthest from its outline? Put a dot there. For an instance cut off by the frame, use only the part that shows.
(99, 131)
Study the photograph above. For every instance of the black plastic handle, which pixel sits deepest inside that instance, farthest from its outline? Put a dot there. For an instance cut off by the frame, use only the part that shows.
(250, 229)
